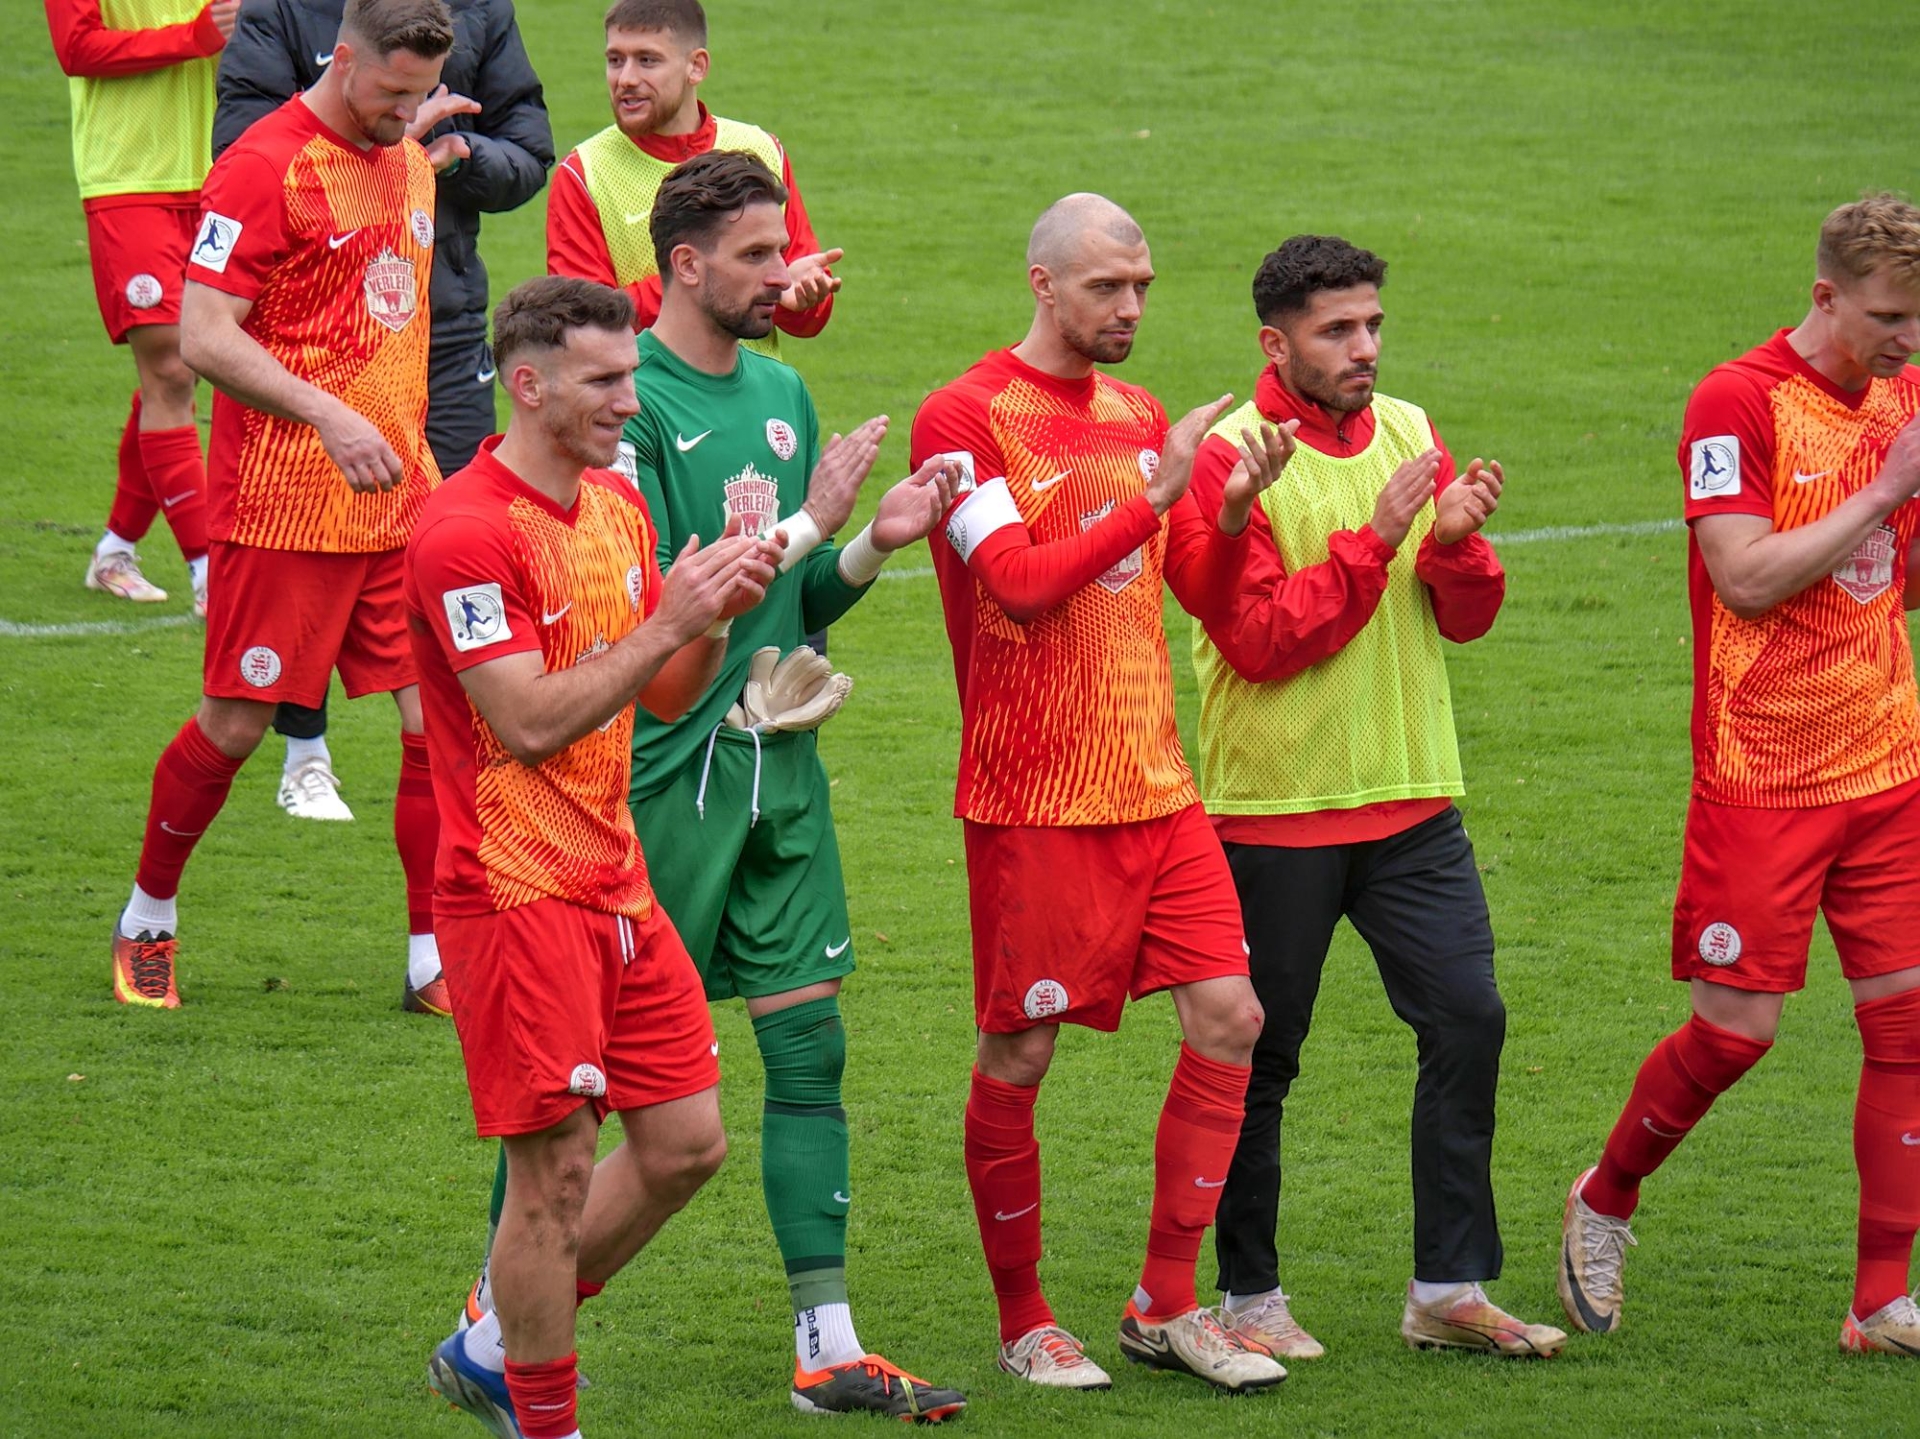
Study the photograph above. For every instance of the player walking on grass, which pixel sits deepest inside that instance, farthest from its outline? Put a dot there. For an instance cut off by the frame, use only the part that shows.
(602, 194)
(729, 798)
(1329, 767)
(1801, 459)
(1091, 871)
(142, 91)
(538, 614)
(305, 285)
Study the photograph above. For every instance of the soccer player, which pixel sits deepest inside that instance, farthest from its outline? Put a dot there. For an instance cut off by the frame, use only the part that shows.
(1091, 871)
(491, 153)
(1329, 768)
(142, 93)
(538, 614)
(602, 195)
(302, 306)
(1800, 459)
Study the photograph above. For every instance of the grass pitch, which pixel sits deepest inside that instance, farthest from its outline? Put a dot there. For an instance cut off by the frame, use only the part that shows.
(257, 1215)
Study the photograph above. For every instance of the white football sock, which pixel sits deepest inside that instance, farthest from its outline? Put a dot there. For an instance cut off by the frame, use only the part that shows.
(299, 751)
(423, 960)
(485, 1347)
(112, 544)
(1425, 1293)
(143, 911)
(1241, 1303)
(823, 1336)
(197, 572)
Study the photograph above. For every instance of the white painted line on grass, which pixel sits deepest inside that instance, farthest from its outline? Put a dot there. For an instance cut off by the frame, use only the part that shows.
(9, 629)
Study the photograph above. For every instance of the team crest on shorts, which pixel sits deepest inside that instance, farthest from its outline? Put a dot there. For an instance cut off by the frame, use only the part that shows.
(1125, 570)
(781, 439)
(422, 225)
(1045, 999)
(260, 666)
(1720, 944)
(588, 1080)
(755, 498)
(636, 583)
(143, 292)
(392, 289)
(1867, 573)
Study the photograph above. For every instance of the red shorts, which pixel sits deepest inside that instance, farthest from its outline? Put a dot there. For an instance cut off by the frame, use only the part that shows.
(559, 1005)
(139, 249)
(1751, 881)
(1069, 921)
(279, 622)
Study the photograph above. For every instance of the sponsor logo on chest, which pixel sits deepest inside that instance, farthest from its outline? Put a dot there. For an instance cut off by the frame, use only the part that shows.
(1867, 573)
(755, 499)
(1123, 571)
(392, 290)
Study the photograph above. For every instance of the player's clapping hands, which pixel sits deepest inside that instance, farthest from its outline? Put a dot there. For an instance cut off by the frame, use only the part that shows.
(1263, 456)
(845, 461)
(1899, 477)
(224, 13)
(1465, 505)
(1175, 470)
(1403, 495)
(912, 509)
(442, 104)
(715, 582)
(808, 280)
(355, 444)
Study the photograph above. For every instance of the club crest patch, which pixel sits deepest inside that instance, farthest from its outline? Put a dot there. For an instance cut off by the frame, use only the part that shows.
(1149, 463)
(1123, 571)
(422, 225)
(1045, 999)
(1720, 944)
(143, 292)
(781, 439)
(392, 290)
(260, 666)
(636, 587)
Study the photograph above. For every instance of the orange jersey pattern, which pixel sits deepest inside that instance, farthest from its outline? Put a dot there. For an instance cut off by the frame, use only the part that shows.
(496, 569)
(1812, 702)
(334, 247)
(1068, 719)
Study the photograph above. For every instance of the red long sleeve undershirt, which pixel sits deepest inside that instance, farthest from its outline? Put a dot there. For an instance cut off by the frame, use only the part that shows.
(577, 246)
(87, 49)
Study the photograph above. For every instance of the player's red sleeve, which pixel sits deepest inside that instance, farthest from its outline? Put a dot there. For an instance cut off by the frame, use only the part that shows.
(1465, 578)
(85, 47)
(1203, 564)
(1277, 624)
(801, 324)
(577, 246)
(459, 566)
(243, 225)
(1726, 447)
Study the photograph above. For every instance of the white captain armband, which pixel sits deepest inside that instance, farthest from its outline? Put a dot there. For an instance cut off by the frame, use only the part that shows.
(990, 507)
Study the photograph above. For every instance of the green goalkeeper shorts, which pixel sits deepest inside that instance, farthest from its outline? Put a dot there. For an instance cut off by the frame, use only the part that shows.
(759, 903)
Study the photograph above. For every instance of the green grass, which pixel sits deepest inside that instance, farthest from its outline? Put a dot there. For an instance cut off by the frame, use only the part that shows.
(256, 1215)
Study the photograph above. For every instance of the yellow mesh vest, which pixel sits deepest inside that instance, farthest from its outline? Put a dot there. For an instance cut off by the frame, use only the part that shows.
(150, 133)
(1373, 722)
(622, 180)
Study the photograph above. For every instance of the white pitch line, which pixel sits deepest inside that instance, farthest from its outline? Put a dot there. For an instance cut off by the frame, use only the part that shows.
(10, 629)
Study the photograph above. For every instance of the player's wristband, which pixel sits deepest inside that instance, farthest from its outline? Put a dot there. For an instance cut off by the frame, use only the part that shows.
(803, 533)
(861, 559)
(719, 628)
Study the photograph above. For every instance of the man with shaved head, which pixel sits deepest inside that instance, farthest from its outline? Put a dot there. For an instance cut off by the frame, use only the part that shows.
(1093, 873)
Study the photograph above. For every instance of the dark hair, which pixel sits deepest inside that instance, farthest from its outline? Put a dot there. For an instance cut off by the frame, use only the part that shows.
(684, 18)
(538, 313)
(420, 27)
(697, 198)
(1288, 278)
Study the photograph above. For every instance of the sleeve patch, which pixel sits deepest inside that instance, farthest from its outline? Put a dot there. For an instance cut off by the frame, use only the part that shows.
(1713, 468)
(990, 507)
(213, 246)
(626, 463)
(964, 459)
(476, 616)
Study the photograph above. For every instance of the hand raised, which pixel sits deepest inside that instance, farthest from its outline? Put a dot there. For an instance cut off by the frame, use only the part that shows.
(1464, 507)
(845, 462)
(808, 280)
(1403, 495)
(224, 13)
(912, 509)
(1262, 457)
(447, 150)
(1899, 477)
(440, 105)
(1175, 470)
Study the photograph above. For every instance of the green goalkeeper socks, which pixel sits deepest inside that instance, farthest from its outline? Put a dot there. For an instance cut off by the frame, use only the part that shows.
(803, 1147)
(499, 1200)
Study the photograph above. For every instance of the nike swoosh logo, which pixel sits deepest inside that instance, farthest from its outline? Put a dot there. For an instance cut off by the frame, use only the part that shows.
(320, 59)
(1912, 1139)
(485, 377)
(834, 951)
(1003, 1218)
(636, 219)
(334, 242)
(839, 1198)
(682, 444)
(714, 1049)
(183, 833)
(1800, 479)
(171, 500)
(1042, 485)
(1208, 1183)
(1590, 1318)
(1653, 1128)
(547, 619)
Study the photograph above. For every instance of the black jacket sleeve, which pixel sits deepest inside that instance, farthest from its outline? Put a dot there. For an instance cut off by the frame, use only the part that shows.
(511, 139)
(265, 62)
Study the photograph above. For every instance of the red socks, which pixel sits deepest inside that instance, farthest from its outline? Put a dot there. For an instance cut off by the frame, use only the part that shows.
(177, 479)
(133, 503)
(1003, 1171)
(1886, 1147)
(1199, 1130)
(190, 783)
(543, 1396)
(416, 830)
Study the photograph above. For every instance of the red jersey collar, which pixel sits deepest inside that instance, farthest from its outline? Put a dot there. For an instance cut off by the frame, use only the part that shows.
(486, 465)
(314, 125)
(1079, 392)
(1332, 432)
(1796, 363)
(675, 148)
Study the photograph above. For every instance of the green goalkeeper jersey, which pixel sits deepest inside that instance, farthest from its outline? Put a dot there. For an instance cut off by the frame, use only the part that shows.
(702, 449)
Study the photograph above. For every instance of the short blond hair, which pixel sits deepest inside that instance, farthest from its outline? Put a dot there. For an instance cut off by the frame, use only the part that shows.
(1878, 231)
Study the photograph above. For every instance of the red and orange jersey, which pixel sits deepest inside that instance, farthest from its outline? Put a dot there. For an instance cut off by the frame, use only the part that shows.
(333, 245)
(1813, 702)
(1068, 718)
(496, 568)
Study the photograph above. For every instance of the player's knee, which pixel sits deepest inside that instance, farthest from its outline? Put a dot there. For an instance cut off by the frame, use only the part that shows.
(673, 1174)
(166, 381)
(1020, 1059)
(1473, 1020)
(804, 1051)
